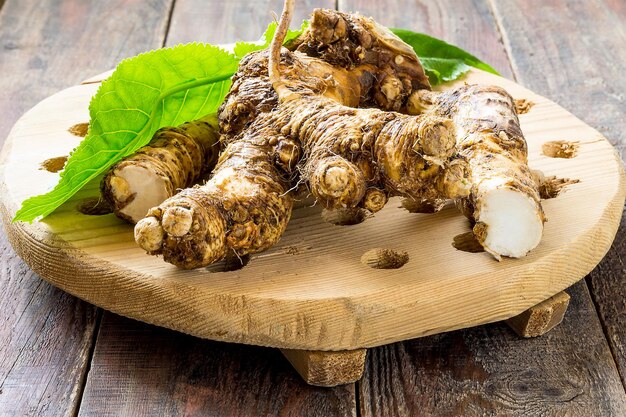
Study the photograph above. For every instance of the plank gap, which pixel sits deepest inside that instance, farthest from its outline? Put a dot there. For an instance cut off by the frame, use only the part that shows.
(85, 374)
(357, 388)
(502, 35)
(605, 329)
(168, 23)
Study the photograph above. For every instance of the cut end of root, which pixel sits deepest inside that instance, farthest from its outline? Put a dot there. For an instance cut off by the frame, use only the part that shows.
(510, 223)
(374, 200)
(135, 189)
(149, 234)
(177, 221)
(338, 183)
(437, 136)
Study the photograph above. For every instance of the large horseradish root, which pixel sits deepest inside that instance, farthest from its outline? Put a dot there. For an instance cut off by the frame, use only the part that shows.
(304, 117)
(175, 158)
(504, 201)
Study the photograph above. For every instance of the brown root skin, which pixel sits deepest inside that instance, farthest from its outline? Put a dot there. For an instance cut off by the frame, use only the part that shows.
(389, 69)
(175, 158)
(401, 154)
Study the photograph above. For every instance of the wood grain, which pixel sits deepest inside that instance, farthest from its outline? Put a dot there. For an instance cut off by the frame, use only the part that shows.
(47, 334)
(219, 21)
(197, 377)
(142, 370)
(490, 371)
(46, 337)
(45, 49)
(608, 287)
(320, 296)
(467, 24)
(540, 319)
(531, 395)
(574, 54)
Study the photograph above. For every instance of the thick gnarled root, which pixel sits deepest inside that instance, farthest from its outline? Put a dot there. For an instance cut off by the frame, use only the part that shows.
(176, 158)
(244, 208)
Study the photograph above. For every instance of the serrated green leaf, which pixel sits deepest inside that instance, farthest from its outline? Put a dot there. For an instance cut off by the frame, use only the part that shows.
(165, 87)
(441, 70)
(441, 61)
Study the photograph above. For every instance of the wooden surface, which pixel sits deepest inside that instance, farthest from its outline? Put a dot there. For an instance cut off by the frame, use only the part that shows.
(545, 383)
(312, 290)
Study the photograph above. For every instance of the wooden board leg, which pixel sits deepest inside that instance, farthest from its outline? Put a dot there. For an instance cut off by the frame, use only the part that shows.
(327, 369)
(541, 318)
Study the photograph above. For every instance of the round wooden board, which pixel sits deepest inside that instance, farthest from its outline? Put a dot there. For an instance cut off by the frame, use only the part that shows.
(311, 291)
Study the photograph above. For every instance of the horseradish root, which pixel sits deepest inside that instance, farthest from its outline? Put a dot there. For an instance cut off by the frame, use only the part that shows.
(244, 208)
(176, 158)
(504, 201)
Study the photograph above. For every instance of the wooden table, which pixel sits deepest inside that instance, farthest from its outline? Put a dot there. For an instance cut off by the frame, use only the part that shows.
(62, 356)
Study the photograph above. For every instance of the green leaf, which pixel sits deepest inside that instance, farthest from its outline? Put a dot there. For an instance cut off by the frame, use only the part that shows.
(440, 70)
(243, 48)
(441, 61)
(165, 87)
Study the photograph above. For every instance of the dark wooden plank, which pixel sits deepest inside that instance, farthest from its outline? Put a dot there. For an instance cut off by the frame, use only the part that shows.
(142, 370)
(231, 21)
(467, 24)
(46, 338)
(47, 335)
(608, 288)
(573, 52)
(139, 369)
(490, 371)
(44, 48)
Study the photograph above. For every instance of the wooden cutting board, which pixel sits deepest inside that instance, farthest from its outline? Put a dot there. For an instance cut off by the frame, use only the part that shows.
(312, 291)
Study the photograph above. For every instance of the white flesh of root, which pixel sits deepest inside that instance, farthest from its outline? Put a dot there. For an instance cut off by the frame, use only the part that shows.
(131, 180)
(513, 223)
